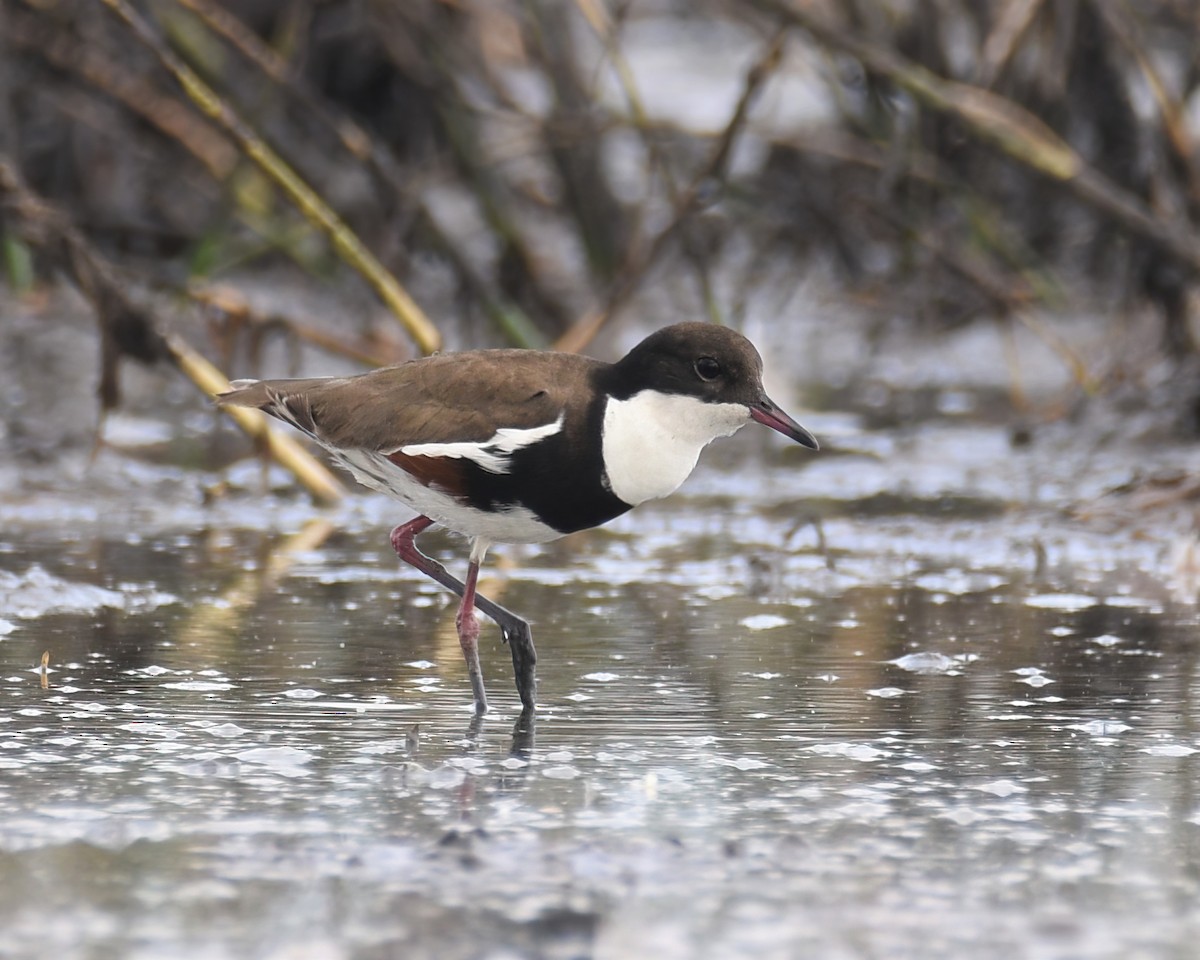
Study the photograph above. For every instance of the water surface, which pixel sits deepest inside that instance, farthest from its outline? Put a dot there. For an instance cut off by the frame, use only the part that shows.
(795, 710)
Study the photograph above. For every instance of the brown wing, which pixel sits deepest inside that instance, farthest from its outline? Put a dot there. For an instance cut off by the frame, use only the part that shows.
(437, 399)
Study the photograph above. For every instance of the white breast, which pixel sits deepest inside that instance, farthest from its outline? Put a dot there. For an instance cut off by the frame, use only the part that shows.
(652, 440)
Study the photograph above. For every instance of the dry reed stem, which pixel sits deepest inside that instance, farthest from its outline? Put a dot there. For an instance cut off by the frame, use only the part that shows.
(47, 227)
(1008, 127)
(715, 170)
(281, 448)
(345, 242)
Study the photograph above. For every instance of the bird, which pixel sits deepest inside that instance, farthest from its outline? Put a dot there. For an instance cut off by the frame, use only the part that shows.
(526, 446)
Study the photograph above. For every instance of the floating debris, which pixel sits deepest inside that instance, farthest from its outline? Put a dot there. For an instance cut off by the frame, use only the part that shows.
(928, 662)
(765, 621)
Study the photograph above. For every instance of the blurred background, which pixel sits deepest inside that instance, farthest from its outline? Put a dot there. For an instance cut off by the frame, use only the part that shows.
(342, 184)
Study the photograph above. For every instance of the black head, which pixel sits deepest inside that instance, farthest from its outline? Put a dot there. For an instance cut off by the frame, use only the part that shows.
(710, 362)
(701, 360)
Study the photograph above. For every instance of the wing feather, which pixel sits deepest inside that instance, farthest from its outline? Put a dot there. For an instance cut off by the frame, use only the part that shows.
(436, 399)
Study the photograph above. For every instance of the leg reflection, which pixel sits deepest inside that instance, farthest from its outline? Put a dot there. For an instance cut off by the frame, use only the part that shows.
(523, 734)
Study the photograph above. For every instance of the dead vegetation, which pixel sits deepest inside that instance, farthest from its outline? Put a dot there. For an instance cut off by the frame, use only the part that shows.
(971, 159)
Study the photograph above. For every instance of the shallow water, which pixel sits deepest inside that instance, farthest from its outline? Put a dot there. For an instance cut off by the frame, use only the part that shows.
(807, 707)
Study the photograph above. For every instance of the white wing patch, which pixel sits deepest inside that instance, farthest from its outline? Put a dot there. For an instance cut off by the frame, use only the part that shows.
(492, 455)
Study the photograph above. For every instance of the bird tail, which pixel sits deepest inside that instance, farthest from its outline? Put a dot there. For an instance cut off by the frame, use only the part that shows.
(244, 393)
(286, 400)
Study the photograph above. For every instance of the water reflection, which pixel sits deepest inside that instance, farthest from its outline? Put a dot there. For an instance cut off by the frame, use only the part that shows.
(270, 761)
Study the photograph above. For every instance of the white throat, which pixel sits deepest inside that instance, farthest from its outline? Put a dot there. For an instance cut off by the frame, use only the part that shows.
(652, 440)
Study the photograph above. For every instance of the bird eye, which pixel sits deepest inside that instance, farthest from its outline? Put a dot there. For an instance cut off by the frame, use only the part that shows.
(707, 368)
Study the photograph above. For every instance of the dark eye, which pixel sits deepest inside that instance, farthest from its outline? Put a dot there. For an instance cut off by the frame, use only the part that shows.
(707, 368)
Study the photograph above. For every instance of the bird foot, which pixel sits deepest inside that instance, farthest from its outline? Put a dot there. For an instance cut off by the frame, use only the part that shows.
(519, 638)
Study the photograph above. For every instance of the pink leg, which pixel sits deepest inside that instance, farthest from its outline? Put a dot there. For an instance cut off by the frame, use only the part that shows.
(515, 630)
(468, 637)
(404, 539)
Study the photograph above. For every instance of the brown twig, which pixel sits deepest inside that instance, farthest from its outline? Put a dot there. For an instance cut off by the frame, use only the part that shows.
(167, 114)
(128, 329)
(343, 239)
(223, 23)
(1010, 26)
(228, 303)
(1124, 28)
(713, 173)
(1008, 127)
(505, 314)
